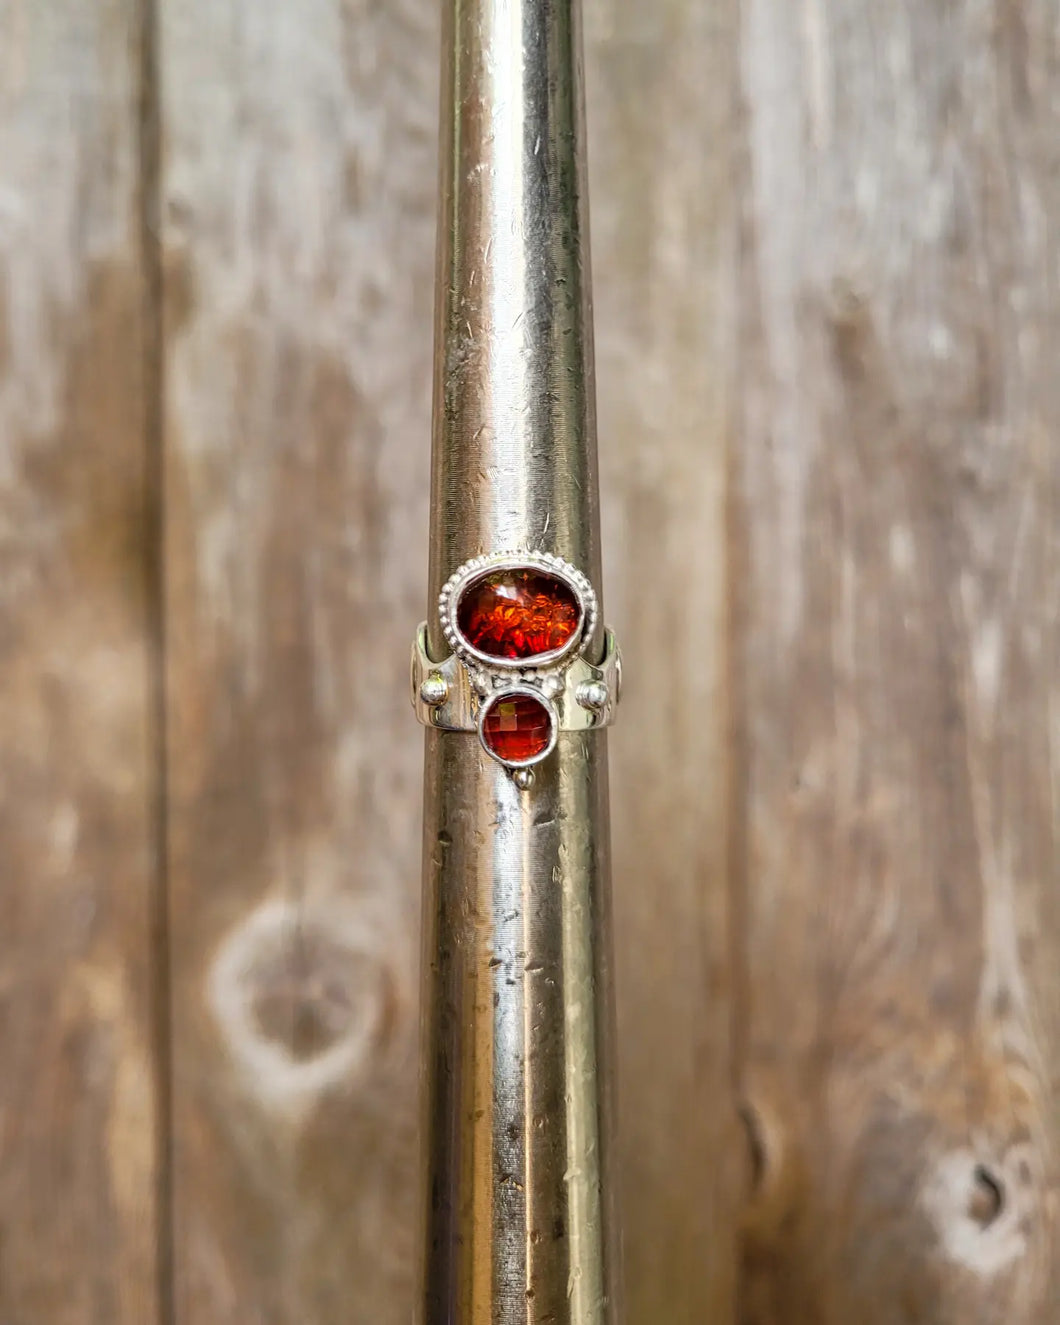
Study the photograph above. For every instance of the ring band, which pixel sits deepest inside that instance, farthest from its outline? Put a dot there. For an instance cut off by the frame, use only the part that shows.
(444, 695)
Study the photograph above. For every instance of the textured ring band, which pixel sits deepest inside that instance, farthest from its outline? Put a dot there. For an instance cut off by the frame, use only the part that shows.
(516, 623)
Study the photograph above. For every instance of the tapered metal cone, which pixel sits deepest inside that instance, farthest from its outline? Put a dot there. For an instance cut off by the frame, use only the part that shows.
(516, 943)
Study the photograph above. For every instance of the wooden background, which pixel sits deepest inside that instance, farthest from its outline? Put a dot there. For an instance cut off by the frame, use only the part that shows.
(826, 246)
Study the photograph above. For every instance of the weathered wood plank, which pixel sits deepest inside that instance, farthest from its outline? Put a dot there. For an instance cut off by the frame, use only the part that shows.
(897, 596)
(897, 583)
(77, 856)
(661, 106)
(299, 238)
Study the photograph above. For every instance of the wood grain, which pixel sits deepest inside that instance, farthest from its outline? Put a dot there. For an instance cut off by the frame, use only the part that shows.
(77, 856)
(897, 582)
(663, 241)
(299, 198)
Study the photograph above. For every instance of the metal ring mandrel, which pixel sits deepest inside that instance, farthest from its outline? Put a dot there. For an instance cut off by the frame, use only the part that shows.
(517, 1219)
(516, 677)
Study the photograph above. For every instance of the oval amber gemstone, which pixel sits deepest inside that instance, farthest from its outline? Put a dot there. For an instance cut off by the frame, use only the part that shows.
(517, 727)
(518, 613)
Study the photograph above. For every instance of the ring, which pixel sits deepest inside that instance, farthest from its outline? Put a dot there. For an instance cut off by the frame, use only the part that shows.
(517, 624)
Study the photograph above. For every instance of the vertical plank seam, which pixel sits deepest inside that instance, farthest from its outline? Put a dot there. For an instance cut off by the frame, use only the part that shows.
(737, 750)
(735, 574)
(150, 182)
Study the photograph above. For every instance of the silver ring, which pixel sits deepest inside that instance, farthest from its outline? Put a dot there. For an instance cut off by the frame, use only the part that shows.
(517, 624)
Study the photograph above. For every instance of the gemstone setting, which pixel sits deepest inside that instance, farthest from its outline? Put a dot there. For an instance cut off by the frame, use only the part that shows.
(518, 726)
(509, 611)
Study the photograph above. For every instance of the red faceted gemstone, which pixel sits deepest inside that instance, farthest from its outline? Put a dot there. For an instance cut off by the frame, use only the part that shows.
(516, 728)
(518, 613)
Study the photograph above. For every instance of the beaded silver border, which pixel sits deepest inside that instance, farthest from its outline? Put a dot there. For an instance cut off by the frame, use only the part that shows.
(449, 598)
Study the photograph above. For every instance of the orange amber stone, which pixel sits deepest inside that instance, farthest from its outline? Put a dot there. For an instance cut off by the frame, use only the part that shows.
(516, 728)
(518, 613)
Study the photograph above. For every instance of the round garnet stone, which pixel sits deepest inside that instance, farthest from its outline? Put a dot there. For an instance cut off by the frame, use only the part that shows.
(517, 727)
(518, 613)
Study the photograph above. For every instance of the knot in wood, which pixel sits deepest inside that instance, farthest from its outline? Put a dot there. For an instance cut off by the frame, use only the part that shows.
(302, 998)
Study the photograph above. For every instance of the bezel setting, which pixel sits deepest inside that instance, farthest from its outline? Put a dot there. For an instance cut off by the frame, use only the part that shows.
(506, 692)
(478, 568)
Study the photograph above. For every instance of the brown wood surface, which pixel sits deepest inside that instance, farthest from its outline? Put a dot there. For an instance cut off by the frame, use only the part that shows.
(897, 591)
(828, 309)
(298, 203)
(77, 755)
(663, 246)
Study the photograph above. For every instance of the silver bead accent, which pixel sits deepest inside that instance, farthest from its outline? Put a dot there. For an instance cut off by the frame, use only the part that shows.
(593, 695)
(551, 685)
(434, 690)
(523, 778)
